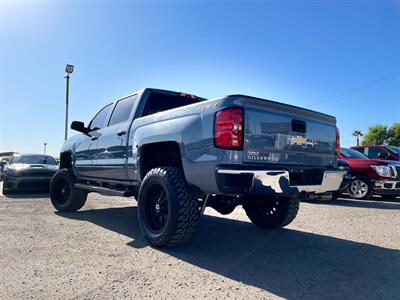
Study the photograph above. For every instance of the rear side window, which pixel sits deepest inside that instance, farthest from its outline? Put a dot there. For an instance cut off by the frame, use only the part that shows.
(122, 110)
(99, 121)
(159, 102)
(374, 152)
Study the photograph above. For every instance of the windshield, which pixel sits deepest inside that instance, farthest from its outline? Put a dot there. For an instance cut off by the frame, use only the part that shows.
(33, 159)
(350, 153)
(395, 150)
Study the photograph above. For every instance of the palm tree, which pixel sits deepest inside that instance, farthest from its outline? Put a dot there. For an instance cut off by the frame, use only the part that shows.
(357, 133)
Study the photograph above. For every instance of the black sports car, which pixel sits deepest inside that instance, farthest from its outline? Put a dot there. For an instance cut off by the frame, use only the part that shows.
(28, 172)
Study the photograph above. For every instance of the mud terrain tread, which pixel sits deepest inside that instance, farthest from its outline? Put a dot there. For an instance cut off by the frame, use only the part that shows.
(188, 211)
(77, 198)
(257, 216)
(294, 205)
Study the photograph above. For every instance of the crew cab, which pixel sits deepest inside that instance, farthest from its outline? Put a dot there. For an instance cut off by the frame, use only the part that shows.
(371, 176)
(379, 151)
(177, 153)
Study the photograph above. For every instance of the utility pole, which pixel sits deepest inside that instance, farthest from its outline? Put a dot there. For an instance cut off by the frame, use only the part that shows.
(68, 69)
(44, 148)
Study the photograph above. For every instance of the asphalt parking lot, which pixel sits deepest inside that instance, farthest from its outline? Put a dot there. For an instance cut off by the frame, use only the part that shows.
(343, 249)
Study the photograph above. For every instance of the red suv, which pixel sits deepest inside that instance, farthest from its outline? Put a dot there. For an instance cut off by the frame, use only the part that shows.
(371, 176)
(379, 152)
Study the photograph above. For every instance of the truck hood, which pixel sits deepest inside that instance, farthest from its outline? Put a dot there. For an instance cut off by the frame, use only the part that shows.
(370, 162)
(31, 168)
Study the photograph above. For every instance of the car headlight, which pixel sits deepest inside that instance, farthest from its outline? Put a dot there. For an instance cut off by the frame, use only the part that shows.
(384, 171)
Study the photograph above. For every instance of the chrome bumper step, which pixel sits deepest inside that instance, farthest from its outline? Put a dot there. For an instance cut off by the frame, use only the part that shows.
(277, 181)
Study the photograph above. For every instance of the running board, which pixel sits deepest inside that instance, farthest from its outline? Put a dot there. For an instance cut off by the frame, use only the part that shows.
(103, 190)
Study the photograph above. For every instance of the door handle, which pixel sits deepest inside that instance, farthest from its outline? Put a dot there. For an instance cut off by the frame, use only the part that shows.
(94, 138)
(121, 132)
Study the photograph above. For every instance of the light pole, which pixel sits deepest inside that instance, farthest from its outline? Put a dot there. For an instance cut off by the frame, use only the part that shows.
(68, 69)
(44, 148)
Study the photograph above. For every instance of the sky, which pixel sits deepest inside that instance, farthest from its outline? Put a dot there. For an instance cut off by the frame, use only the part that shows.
(337, 57)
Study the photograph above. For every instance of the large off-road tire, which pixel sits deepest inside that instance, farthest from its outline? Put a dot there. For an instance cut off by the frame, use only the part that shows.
(63, 194)
(272, 213)
(168, 211)
(360, 188)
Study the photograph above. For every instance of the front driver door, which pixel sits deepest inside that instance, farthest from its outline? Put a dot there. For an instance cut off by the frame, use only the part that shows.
(86, 150)
(83, 155)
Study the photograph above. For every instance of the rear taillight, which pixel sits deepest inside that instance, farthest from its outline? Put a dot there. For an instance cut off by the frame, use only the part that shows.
(337, 142)
(229, 128)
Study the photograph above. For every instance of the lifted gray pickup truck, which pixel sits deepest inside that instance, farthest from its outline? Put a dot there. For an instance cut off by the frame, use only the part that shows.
(177, 153)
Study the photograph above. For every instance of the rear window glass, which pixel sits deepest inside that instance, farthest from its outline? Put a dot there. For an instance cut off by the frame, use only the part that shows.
(159, 102)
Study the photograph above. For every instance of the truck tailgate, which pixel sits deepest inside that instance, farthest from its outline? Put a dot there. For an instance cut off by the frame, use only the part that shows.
(277, 133)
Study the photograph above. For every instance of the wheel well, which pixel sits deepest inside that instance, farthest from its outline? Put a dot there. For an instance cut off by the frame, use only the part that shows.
(358, 174)
(66, 160)
(161, 154)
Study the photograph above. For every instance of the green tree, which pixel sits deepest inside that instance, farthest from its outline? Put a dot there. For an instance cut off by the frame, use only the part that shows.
(357, 134)
(376, 135)
(394, 135)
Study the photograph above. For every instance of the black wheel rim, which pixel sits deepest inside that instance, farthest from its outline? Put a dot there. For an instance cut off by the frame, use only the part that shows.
(156, 208)
(269, 208)
(62, 191)
(273, 209)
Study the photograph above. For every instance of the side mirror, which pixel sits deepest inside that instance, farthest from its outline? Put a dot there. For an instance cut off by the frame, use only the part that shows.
(79, 126)
(383, 155)
(3, 162)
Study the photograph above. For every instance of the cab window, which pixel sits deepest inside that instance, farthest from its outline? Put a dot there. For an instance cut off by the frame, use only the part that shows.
(122, 110)
(99, 121)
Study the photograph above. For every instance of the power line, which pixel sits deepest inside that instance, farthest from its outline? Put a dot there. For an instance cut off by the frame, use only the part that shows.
(355, 89)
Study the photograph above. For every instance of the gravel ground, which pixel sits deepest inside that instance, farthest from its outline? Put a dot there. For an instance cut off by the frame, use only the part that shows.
(343, 249)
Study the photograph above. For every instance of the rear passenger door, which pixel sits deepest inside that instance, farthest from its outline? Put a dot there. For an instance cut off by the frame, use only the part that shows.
(112, 148)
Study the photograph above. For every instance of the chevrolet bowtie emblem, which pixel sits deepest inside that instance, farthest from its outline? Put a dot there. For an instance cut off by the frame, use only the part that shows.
(298, 140)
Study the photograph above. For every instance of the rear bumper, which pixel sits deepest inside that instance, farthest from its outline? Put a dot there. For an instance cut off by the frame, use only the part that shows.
(264, 182)
(386, 187)
(347, 179)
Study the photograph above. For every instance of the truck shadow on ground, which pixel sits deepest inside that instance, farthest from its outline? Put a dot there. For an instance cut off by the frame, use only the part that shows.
(376, 202)
(27, 195)
(288, 263)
